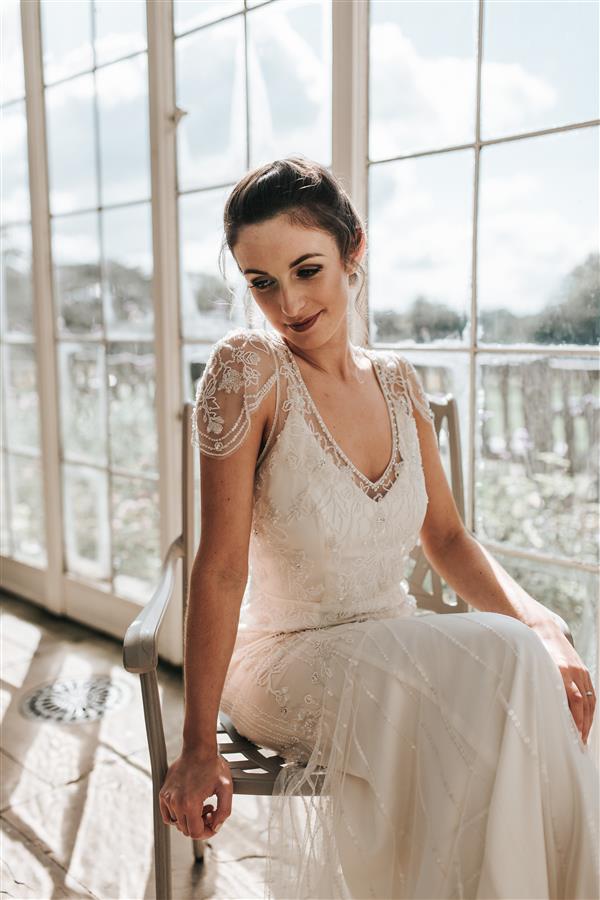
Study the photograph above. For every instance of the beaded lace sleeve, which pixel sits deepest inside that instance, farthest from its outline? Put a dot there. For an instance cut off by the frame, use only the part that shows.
(240, 372)
(415, 389)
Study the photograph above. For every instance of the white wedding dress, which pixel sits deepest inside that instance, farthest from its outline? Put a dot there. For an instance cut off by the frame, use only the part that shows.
(454, 768)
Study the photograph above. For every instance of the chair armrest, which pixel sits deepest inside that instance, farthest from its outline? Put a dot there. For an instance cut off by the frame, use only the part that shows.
(140, 645)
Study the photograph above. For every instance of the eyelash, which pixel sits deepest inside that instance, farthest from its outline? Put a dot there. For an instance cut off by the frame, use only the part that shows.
(312, 271)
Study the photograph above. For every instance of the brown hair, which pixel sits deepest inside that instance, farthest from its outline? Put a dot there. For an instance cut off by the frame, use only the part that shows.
(303, 190)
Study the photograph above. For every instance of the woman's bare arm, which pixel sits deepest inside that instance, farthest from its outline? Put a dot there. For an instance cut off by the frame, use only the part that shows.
(217, 583)
(458, 557)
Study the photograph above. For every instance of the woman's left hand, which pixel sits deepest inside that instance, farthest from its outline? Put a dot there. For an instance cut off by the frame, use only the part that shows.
(576, 677)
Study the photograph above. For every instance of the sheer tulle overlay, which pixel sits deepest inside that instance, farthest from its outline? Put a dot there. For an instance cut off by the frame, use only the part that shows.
(448, 760)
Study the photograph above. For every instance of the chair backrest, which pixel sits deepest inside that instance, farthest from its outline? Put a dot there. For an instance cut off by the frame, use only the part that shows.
(424, 582)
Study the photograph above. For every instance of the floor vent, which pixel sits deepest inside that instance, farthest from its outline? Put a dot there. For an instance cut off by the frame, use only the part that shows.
(73, 701)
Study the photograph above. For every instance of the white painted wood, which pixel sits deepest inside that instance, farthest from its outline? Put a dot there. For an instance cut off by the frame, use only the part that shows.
(48, 589)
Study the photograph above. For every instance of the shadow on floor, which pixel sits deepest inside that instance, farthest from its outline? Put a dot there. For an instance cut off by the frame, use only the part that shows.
(76, 801)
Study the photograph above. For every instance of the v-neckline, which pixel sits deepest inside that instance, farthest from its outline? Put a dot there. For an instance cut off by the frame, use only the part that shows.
(391, 418)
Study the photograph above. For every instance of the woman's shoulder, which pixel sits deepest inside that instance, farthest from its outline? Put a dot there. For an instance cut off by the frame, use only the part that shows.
(240, 372)
(245, 338)
(393, 362)
(246, 350)
(403, 378)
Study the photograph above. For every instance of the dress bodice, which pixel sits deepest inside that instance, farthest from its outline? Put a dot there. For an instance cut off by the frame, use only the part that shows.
(327, 544)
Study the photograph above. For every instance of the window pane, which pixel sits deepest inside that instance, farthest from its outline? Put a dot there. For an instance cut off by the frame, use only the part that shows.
(71, 154)
(120, 29)
(571, 593)
(123, 126)
(540, 65)
(211, 139)
(66, 38)
(206, 305)
(12, 82)
(289, 80)
(422, 75)
(21, 397)
(26, 510)
(192, 13)
(17, 291)
(537, 473)
(127, 271)
(76, 270)
(538, 240)
(83, 402)
(15, 168)
(420, 249)
(132, 425)
(5, 539)
(136, 539)
(87, 538)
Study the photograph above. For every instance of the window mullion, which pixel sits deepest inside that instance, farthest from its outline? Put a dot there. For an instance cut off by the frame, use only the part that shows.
(349, 120)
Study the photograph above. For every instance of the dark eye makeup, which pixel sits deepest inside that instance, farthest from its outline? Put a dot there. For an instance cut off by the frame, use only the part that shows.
(261, 285)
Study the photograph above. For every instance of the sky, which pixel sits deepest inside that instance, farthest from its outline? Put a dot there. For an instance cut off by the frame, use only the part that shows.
(538, 200)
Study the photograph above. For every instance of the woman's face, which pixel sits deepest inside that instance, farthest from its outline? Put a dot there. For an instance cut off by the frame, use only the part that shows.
(295, 273)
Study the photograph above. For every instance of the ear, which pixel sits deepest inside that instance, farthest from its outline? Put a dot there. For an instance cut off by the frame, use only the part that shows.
(360, 251)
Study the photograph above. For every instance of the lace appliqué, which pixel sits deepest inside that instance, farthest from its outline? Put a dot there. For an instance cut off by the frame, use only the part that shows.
(239, 374)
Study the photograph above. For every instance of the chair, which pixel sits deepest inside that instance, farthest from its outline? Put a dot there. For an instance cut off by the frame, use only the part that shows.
(257, 769)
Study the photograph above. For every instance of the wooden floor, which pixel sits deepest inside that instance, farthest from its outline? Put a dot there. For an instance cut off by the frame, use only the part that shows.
(76, 804)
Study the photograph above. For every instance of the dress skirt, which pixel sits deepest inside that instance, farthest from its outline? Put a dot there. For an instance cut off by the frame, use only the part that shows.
(431, 756)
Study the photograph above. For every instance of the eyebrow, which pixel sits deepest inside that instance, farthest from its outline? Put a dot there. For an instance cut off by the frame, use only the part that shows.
(291, 266)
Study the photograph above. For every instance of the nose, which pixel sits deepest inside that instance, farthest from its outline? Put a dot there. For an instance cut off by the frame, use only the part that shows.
(291, 302)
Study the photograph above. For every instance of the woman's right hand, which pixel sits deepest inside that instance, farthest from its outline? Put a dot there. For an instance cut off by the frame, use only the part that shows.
(190, 779)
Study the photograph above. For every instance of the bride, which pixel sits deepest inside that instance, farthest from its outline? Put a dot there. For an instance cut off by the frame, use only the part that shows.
(433, 756)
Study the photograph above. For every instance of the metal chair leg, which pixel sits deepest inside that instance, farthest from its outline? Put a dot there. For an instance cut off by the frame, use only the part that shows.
(198, 847)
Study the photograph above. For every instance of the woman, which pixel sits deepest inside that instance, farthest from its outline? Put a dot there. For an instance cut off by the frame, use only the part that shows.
(455, 746)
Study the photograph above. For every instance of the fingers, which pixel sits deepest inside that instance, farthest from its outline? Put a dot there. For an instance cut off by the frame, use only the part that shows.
(582, 706)
(589, 702)
(190, 822)
(165, 809)
(224, 794)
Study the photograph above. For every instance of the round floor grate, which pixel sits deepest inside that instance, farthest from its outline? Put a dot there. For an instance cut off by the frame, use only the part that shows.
(72, 701)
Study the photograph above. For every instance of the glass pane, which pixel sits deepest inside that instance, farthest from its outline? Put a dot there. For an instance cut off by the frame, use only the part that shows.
(132, 424)
(5, 539)
(66, 38)
(211, 139)
(16, 301)
(571, 593)
(537, 473)
(119, 28)
(87, 537)
(422, 75)
(206, 306)
(540, 65)
(20, 398)
(83, 402)
(12, 81)
(195, 357)
(76, 270)
(420, 249)
(538, 240)
(26, 510)
(14, 165)
(192, 13)
(136, 539)
(123, 126)
(71, 154)
(289, 81)
(127, 271)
